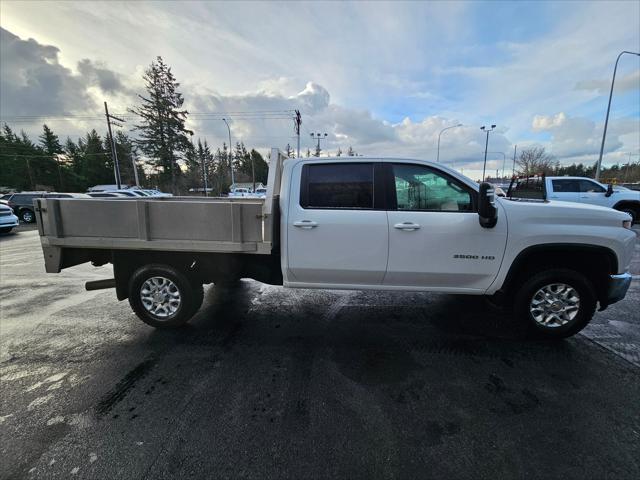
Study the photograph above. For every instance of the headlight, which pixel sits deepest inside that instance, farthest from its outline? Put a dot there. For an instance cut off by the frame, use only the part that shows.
(626, 224)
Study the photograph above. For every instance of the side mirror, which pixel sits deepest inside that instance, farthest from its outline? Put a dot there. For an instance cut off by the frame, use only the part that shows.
(609, 191)
(487, 211)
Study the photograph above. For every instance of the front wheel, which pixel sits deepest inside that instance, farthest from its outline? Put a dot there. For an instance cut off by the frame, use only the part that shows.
(556, 303)
(632, 212)
(163, 297)
(27, 216)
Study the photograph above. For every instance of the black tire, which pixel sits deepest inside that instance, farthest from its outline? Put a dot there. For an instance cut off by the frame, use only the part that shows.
(575, 280)
(27, 216)
(5, 229)
(631, 211)
(190, 294)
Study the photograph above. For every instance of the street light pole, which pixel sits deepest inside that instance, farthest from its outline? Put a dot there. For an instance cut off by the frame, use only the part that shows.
(486, 145)
(440, 134)
(233, 178)
(606, 120)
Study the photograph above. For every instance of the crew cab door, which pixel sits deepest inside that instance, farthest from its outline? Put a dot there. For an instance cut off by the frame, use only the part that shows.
(435, 239)
(336, 230)
(581, 190)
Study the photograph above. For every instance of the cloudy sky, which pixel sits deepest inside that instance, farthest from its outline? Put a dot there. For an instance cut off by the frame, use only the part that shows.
(384, 78)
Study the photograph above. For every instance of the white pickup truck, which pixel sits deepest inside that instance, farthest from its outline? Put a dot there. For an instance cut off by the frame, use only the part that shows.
(587, 190)
(351, 223)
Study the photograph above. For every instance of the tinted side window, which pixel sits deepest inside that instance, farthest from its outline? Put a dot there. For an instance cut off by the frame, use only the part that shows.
(23, 198)
(566, 185)
(421, 188)
(337, 185)
(591, 187)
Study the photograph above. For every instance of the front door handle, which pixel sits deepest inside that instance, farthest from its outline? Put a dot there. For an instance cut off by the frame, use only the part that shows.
(306, 224)
(410, 226)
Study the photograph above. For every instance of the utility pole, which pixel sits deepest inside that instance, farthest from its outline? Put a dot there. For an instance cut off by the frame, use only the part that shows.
(486, 145)
(114, 153)
(204, 174)
(253, 172)
(513, 171)
(297, 121)
(319, 137)
(233, 178)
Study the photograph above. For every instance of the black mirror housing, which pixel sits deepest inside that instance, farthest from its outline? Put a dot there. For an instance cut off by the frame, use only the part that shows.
(609, 191)
(487, 211)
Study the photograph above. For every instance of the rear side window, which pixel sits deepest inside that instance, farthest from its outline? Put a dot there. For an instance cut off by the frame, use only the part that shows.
(566, 185)
(22, 198)
(337, 185)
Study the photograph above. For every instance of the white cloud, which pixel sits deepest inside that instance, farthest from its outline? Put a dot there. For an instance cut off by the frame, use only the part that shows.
(578, 136)
(626, 83)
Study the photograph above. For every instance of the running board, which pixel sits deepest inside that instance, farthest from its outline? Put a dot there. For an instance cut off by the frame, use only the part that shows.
(100, 284)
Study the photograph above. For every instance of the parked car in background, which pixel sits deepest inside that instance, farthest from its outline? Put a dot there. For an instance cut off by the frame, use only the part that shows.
(22, 205)
(65, 195)
(22, 202)
(158, 193)
(7, 219)
(106, 195)
(239, 192)
(587, 190)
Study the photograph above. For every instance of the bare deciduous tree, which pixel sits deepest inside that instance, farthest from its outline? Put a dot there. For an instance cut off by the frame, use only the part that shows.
(535, 161)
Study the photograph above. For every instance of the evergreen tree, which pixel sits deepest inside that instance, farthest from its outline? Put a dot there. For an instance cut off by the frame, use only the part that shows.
(96, 163)
(261, 167)
(163, 136)
(339, 152)
(50, 143)
(350, 152)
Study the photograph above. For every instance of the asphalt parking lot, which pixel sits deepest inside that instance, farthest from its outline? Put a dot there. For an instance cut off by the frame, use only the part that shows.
(274, 383)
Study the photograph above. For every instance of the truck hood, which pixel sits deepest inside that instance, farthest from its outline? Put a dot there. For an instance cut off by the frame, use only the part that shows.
(566, 213)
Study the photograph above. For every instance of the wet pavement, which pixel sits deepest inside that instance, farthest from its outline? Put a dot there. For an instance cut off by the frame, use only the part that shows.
(274, 383)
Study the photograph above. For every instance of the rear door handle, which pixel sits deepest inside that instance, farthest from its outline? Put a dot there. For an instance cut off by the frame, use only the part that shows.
(306, 224)
(410, 226)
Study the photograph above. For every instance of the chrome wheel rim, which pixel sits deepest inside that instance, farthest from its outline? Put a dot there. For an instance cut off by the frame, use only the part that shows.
(555, 305)
(27, 217)
(160, 297)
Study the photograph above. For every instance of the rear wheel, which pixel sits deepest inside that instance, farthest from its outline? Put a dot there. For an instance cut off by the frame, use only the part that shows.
(556, 303)
(163, 297)
(27, 216)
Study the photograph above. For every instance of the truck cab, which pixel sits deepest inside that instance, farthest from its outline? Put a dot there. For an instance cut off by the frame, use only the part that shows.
(587, 190)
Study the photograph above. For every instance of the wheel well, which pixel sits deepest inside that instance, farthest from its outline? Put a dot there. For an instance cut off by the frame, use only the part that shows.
(199, 267)
(628, 204)
(595, 262)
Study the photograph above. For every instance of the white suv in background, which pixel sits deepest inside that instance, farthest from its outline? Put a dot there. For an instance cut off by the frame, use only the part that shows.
(587, 190)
